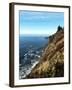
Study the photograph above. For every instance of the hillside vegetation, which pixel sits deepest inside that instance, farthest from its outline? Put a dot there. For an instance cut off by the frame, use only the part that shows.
(52, 61)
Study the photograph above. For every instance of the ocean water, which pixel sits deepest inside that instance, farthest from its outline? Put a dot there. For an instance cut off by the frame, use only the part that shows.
(30, 50)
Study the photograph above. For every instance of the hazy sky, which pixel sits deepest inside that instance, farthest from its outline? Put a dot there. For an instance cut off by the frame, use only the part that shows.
(40, 22)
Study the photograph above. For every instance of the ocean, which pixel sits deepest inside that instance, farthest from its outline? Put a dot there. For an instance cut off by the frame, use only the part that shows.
(30, 51)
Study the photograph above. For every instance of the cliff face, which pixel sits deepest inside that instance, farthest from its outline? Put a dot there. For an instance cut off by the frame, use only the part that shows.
(52, 61)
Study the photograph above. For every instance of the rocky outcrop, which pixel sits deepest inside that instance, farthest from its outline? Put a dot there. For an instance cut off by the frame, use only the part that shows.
(52, 61)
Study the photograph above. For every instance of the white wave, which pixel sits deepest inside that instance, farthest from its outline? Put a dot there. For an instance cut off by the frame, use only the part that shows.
(29, 70)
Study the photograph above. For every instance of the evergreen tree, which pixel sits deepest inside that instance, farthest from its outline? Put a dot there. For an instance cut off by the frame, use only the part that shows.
(59, 28)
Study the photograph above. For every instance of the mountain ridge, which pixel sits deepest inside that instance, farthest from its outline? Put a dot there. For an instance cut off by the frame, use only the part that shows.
(52, 61)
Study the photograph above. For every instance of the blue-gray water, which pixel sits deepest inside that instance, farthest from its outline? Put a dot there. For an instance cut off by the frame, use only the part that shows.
(30, 50)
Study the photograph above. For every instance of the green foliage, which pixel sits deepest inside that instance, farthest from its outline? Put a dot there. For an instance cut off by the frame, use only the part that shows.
(59, 28)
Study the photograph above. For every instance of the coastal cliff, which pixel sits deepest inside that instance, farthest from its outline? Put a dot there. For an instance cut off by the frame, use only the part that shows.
(51, 63)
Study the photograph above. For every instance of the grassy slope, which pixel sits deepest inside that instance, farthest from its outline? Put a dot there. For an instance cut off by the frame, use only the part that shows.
(52, 61)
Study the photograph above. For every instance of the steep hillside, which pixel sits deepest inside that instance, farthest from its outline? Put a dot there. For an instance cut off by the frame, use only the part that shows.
(52, 61)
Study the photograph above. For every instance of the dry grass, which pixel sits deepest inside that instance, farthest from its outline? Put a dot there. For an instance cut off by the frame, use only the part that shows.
(52, 60)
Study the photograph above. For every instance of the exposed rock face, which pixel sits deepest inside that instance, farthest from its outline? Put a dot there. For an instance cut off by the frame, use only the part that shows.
(52, 61)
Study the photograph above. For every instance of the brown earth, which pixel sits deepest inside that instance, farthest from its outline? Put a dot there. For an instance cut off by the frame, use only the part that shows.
(52, 61)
